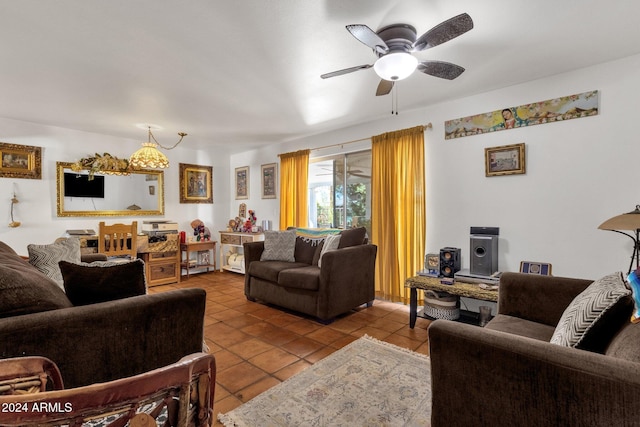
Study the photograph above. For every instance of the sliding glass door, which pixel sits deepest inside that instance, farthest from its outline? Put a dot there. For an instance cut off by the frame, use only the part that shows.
(340, 191)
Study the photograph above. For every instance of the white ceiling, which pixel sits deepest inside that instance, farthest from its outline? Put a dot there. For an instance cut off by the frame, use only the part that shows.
(247, 72)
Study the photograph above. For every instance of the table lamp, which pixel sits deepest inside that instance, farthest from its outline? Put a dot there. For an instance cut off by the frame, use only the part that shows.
(627, 221)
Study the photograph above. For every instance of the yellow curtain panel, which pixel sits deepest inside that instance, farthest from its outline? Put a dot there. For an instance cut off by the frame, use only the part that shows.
(398, 209)
(294, 178)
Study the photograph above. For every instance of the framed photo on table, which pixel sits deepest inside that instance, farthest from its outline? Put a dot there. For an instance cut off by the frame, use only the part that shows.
(269, 180)
(242, 183)
(504, 160)
(196, 183)
(20, 161)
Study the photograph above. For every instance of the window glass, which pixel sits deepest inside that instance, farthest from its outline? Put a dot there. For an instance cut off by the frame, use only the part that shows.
(340, 191)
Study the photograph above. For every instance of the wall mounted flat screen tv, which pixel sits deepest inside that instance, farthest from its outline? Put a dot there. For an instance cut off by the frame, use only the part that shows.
(79, 186)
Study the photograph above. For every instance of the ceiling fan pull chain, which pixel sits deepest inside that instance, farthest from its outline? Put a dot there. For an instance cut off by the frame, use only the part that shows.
(396, 98)
(392, 96)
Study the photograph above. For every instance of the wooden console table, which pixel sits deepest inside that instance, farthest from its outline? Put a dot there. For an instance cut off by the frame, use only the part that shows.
(463, 289)
(201, 261)
(235, 240)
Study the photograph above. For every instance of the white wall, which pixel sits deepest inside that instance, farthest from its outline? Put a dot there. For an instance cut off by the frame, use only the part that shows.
(579, 173)
(37, 207)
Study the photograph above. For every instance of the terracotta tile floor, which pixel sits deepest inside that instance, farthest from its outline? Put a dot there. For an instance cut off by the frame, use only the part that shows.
(258, 346)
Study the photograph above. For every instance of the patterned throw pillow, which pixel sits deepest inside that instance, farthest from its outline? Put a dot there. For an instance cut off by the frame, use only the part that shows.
(46, 257)
(279, 246)
(331, 243)
(588, 308)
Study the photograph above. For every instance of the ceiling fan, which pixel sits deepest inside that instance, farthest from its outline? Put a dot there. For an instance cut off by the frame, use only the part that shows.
(393, 45)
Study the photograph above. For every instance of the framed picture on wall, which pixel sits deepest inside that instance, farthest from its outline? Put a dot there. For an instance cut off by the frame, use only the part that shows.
(269, 180)
(242, 183)
(196, 183)
(20, 161)
(504, 160)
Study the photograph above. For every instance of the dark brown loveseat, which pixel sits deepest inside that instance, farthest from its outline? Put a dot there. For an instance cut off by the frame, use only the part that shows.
(344, 280)
(97, 342)
(508, 373)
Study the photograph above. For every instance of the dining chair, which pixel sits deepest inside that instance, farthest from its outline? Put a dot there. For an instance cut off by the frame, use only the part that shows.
(118, 240)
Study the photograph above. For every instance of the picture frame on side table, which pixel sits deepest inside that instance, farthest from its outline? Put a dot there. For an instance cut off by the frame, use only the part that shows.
(505, 160)
(20, 161)
(196, 183)
(242, 183)
(269, 180)
(540, 268)
(432, 264)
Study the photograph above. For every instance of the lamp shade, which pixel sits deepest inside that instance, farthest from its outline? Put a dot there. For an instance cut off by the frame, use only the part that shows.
(626, 221)
(149, 157)
(395, 66)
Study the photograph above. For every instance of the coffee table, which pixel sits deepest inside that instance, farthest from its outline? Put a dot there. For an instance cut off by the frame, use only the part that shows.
(459, 288)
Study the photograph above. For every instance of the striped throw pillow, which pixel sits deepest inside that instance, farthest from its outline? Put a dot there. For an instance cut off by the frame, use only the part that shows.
(588, 308)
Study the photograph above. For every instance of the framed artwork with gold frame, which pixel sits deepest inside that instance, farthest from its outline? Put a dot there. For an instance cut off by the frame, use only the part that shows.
(504, 160)
(196, 183)
(20, 161)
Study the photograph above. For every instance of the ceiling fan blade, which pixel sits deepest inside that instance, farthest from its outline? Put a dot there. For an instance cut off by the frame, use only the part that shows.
(384, 87)
(445, 31)
(444, 70)
(369, 37)
(361, 175)
(346, 71)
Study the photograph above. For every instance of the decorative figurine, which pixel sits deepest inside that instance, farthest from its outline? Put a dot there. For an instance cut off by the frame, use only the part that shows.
(250, 222)
(201, 232)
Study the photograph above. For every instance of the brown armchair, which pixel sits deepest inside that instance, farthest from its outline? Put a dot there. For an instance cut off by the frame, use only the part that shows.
(508, 373)
(97, 342)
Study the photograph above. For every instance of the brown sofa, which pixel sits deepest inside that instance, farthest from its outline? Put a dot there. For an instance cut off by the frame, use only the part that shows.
(344, 280)
(508, 373)
(96, 342)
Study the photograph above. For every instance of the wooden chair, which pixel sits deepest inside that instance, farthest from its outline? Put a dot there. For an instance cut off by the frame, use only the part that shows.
(180, 395)
(26, 375)
(118, 240)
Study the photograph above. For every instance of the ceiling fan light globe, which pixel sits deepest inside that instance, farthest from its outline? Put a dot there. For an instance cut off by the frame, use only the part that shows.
(395, 66)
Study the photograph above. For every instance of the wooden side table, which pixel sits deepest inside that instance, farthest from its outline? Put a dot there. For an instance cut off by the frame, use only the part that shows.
(463, 289)
(161, 268)
(205, 258)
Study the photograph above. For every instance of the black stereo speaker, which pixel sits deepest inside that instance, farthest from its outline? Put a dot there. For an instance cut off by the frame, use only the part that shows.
(449, 261)
(484, 251)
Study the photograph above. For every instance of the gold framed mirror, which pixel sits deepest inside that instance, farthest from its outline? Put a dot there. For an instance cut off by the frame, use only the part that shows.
(140, 193)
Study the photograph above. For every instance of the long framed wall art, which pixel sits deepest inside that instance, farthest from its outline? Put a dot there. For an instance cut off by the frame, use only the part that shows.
(537, 113)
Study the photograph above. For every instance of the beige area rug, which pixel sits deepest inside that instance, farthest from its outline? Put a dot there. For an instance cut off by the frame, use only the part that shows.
(366, 383)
